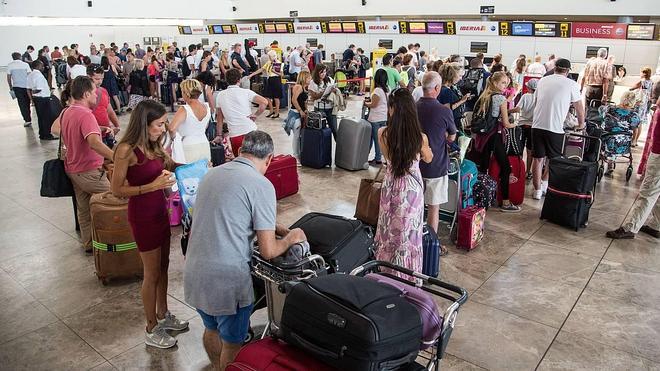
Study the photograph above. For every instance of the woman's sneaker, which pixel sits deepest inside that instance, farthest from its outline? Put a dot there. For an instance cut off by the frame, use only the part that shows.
(159, 338)
(170, 322)
(510, 208)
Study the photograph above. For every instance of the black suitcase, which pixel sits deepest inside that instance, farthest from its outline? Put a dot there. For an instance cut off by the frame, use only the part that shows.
(344, 243)
(166, 94)
(571, 191)
(217, 154)
(351, 323)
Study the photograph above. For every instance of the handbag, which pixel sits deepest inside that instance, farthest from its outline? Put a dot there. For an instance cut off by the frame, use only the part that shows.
(54, 181)
(368, 201)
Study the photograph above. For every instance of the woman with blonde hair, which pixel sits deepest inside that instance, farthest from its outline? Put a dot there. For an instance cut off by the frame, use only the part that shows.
(142, 173)
(645, 86)
(139, 85)
(493, 105)
(188, 126)
(273, 88)
(297, 116)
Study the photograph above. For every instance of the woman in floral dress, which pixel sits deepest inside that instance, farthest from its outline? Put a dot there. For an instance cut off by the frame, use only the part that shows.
(400, 219)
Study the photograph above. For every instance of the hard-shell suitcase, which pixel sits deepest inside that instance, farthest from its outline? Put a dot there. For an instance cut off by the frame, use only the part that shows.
(431, 252)
(516, 179)
(115, 251)
(342, 242)
(283, 173)
(316, 149)
(166, 94)
(470, 227)
(217, 154)
(352, 323)
(352, 150)
(423, 301)
(570, 192)
(270, 354)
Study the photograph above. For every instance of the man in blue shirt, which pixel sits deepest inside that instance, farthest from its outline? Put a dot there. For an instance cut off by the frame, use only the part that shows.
(437, 123)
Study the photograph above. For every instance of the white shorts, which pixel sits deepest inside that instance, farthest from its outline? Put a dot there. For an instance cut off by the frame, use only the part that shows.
(436, 190)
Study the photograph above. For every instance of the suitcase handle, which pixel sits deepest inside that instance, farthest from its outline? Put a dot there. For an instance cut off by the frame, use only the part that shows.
(317, 350)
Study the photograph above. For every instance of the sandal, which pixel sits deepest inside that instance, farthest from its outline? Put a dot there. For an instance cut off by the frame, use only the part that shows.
(275, 116)
(443, 251)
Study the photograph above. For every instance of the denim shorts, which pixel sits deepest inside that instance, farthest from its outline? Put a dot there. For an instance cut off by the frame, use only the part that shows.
(232, 328)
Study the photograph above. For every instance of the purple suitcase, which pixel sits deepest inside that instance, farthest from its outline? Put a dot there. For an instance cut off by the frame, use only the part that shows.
(423, 301)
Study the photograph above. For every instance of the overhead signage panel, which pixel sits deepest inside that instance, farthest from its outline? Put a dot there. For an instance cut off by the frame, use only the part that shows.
(307, 27)
(641, 31)
(247, 28)
(381, 27)
(599, 30)
(475, 28)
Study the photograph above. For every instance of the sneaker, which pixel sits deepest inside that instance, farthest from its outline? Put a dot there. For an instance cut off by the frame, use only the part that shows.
(537, 194)
(27, 124)
(170, 322)
(51, 137)
(544, 187)
(510, 208)
(620, 233)
(159, 338)
(650, 231)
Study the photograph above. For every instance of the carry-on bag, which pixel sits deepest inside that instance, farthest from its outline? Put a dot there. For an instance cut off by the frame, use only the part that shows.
(470, 227)
(516, 179)
(270, 354)
(342, 242)
(115, 251)
(368, 200)
(217, 154)
(283, 173)
(351, 323)
(430, 252)
(316, 149)
(352, 150)
(174, 208)
(571, 191)
(485, 191)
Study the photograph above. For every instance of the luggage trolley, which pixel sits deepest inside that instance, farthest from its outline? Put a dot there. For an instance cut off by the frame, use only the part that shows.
(273, 275)
(431, 353)
(449, 210)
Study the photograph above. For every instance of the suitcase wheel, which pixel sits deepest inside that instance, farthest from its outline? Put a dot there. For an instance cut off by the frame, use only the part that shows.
(629, 172)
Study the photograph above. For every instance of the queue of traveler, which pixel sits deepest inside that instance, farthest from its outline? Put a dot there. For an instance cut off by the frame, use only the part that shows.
(416, 110)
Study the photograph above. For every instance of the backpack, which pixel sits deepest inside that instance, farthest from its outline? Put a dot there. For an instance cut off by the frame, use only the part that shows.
(404, 76)
(485, 191)
(514, 141)
(483, 122)
(411, 77)
(469, 175)
(471, 81)
(185, 69)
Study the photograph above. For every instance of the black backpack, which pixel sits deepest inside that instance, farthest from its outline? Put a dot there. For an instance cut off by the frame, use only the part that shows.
(471, 81)
(185, 68)
(483, 122)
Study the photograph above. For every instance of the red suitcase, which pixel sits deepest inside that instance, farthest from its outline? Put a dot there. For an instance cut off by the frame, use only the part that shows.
(274, 355)
(470, 227)
(516, 179)
(283, 173)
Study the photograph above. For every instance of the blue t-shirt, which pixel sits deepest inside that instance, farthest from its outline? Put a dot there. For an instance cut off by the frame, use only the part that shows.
(437, 121)
(449, 96)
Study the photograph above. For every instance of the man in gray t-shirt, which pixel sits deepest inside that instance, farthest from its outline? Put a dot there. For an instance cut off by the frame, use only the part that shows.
(235, 203)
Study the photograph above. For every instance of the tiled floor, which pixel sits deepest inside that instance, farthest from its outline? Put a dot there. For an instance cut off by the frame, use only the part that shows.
(541, 296)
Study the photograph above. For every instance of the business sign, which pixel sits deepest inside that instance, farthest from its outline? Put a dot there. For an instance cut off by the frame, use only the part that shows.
(307, 27)
(381, 27)
(435, 27)
(522, 29)
(641, 31)
(276, 27)
(599, 30)
(488, 9)
(247, 28)
(475, 28)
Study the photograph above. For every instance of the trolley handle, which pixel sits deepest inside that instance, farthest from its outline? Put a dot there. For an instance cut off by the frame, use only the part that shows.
(301, 263)
(370, 266)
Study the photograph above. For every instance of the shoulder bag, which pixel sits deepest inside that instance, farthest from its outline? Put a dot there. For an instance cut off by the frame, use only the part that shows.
(54, 180)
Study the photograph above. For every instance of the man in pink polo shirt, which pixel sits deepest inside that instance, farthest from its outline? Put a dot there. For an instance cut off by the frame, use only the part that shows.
(102, 110)
(85, 152)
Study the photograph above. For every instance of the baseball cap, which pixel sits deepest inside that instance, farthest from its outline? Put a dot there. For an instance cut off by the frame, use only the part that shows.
(531, 84)
(563, 63)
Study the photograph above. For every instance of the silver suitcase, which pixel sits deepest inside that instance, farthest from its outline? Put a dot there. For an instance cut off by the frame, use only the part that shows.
(352, 151)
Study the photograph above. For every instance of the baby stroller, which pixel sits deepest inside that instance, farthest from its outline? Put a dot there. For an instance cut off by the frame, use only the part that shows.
(346, 87)
(616, 131)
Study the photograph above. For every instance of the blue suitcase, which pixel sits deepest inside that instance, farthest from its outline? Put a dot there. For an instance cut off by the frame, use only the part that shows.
(430, 252)
(316, 149)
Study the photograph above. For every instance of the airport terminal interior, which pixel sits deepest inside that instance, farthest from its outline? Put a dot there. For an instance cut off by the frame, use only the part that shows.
(554, 278)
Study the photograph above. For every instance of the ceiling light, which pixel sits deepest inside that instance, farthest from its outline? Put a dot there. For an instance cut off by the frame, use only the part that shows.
(48, 21)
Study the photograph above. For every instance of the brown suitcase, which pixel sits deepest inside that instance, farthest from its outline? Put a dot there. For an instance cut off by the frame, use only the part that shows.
(115, 251)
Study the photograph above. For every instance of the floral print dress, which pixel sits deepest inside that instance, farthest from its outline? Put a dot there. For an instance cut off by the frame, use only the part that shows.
(400, 220)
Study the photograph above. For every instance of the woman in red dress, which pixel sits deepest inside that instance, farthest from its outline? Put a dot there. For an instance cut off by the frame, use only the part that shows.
(143, 173)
